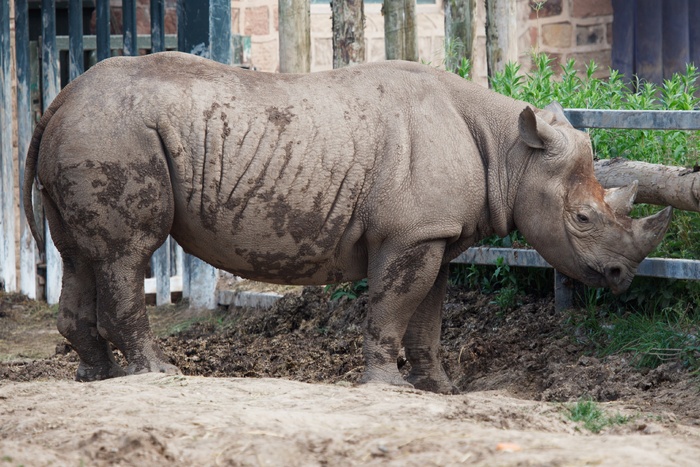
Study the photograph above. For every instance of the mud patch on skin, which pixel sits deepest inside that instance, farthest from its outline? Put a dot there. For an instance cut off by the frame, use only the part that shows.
(401, 274)
(280, 117)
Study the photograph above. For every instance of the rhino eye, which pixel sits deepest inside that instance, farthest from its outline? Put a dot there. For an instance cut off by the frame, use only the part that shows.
(582, 218)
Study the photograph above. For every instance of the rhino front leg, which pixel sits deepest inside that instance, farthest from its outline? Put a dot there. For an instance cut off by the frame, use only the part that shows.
(422, 341)
(399, 279)
(121, 314)
(77, 322)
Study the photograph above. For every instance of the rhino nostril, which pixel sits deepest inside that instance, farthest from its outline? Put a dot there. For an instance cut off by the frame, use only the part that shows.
(614, 274)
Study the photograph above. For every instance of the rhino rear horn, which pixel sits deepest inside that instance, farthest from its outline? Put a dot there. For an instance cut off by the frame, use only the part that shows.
(557, 110)
(622, 199)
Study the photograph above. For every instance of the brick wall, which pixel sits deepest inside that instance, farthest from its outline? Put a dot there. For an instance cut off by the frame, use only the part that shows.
(578, 29)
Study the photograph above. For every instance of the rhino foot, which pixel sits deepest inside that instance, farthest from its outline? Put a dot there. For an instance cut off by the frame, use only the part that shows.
(438, 385)
(154, 366)
(381, 376)
(88, 373)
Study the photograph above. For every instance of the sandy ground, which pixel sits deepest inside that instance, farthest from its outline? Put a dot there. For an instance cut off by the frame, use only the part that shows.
(298, 404)
(178, 420)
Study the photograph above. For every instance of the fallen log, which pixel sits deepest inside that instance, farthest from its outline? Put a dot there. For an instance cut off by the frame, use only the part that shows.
(662, 185)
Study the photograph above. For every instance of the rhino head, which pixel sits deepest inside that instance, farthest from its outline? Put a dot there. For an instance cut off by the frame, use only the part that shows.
(580, 228)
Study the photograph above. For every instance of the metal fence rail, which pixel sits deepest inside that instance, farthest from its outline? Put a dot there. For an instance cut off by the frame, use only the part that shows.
(666, 268)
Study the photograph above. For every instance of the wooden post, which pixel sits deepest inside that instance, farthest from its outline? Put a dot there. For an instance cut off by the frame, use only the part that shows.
(76, 64)
(50, 89)
(348, 32)
(8, 274)
(103, 29)
(501, 34)
(295, 36)
(27, 246)
(400, 35)
(460, 31)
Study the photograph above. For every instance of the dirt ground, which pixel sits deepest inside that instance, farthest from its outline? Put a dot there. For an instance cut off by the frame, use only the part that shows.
(277, 387)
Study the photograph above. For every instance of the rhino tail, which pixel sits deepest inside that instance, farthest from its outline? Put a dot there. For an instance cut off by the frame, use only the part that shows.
(30, 170)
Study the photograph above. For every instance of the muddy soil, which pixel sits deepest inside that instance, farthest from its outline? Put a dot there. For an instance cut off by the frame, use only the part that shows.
(519, 370)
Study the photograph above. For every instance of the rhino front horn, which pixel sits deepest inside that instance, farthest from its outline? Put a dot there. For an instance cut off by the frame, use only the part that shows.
(649, 231)
(621, 199)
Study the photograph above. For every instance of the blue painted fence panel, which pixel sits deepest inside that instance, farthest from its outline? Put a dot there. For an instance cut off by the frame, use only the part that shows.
(76, 65)
(102, 24)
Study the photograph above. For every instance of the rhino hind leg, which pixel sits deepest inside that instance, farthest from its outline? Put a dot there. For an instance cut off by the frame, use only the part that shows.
(108, 213)
(77, 322)
(399, 279)
(422, 341)
(122, 315)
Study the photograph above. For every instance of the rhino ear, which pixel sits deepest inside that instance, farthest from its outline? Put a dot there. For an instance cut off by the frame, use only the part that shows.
(534, 131)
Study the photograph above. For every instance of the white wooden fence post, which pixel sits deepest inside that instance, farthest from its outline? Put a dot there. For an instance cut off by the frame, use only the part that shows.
(27, 245)
(51, 88)
(8, 275)
(161, 271)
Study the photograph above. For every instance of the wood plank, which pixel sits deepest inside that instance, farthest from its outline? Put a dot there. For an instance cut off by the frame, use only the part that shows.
(157, 26)
(103, 30)
(50, 89)
(25, 127)
(694, 32)
(76, 64)
(649, 38)
(129, 27)
(624, 14)
(8, 267)
(676, 50)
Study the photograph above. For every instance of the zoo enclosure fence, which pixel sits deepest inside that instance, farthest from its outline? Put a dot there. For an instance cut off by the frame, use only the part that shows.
(172, 270)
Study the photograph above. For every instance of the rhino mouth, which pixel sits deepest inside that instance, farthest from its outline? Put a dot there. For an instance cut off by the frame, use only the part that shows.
(615, 277)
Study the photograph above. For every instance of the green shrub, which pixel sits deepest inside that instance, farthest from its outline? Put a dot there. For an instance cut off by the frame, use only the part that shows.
(657, 320)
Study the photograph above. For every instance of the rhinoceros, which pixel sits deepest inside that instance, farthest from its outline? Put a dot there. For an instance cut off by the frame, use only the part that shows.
(385, 170)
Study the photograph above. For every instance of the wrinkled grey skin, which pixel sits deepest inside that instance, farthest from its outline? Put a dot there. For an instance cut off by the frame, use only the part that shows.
(386, 171)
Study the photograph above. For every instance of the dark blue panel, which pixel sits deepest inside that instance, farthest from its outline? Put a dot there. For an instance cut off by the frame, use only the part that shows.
(49, 54)
(157, 25)
(103, 29)
(129, 27)
(75, 46)
(624, 16)
(694, 32)
(649, 40)
(676, 50)
(193, 27)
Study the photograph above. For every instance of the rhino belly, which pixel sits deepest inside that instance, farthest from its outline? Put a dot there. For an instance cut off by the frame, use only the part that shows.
(276, 244)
